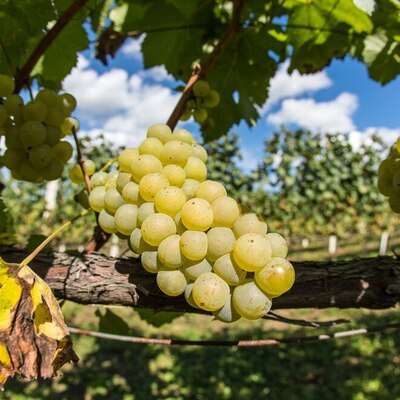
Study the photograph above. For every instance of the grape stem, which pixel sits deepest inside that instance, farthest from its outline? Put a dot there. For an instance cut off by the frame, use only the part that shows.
(202, 70)
(80, 159)
(22, 75)
(52, 236)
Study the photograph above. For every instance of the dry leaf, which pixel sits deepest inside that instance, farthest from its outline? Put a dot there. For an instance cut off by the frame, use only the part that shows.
(34, 340)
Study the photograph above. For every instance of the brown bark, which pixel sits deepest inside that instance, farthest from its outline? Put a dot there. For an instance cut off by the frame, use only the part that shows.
(96, 279)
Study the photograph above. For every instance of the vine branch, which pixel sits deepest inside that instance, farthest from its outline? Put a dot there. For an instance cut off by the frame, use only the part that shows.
(22, 75)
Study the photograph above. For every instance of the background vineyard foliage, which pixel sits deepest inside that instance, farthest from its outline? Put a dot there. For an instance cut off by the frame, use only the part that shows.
(306, 185)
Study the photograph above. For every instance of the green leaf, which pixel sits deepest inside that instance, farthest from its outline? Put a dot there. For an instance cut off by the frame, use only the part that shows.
(382, 57)
(62, 54)
(109, 322)
(322, 30)
(157, 318)
(246, 68)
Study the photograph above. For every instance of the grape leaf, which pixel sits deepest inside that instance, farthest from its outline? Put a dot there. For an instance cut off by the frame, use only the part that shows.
(65, 47)
(175, 31)
(243, 70)
(321, 31)
(34, 340)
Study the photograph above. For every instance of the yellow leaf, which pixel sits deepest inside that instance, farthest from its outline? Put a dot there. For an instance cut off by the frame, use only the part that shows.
(10, 294)
(35, 330)
(5, 363)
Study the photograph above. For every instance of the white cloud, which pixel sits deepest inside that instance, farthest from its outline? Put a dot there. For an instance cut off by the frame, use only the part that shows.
(118, 105)
(132, 48)
(329, 116)
(158, 74)
(284, 85)
(388, 135)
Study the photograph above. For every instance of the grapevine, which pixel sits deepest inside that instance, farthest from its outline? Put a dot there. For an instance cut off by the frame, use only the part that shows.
(188, 231)
(34, 132)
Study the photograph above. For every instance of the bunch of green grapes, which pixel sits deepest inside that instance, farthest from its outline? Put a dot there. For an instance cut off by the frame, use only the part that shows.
(203, 97)
(187, 229)
(35, 151)
(389, 177)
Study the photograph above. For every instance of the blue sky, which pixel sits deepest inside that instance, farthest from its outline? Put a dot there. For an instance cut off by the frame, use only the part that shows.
(122, 100)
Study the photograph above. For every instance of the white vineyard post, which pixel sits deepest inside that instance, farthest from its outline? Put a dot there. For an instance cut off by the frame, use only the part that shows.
(332, 245)
(114, 249)
(384, 243)
(305, 243)
(50, 198)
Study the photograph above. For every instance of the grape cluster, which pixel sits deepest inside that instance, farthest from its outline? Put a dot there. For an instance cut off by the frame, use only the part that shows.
(34, 132)
(188, 231)
(389, 177)
(203, 97)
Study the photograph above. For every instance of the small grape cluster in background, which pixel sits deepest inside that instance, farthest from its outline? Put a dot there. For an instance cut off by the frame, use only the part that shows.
(203, 97)
(389, 177)
(35, 151)
(188, 231)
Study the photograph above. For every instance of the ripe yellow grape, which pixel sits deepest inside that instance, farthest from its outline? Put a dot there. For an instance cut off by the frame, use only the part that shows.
(210, 191)
(195, 169)
(227, 269)
(125, 218)
(170, 200)
(180, 228)
(161, 132)
(199, 152)
(137, 243)
(157, 227)
(151, 184)
(197, 214)
(169, 252)
(249, 300)
(106, 222)
(194, 244)
(193, 269)
(151, 146)
(143, 165)
(122, 179)
(210, 292)
(252, 251)
(183, 135)
(113, 200)
(226, 211)
(126, 157)
(189, 187)
(249, 223)
(175, 152)
(144, 211)
(189, 295)
(276, 277)
(278, 245)
(171, 281)
(130, 193)
(150, 261)
(228, 312)
(111, 180)
(221, 241)
(96, 198)
(175, 174)
(98, 179)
